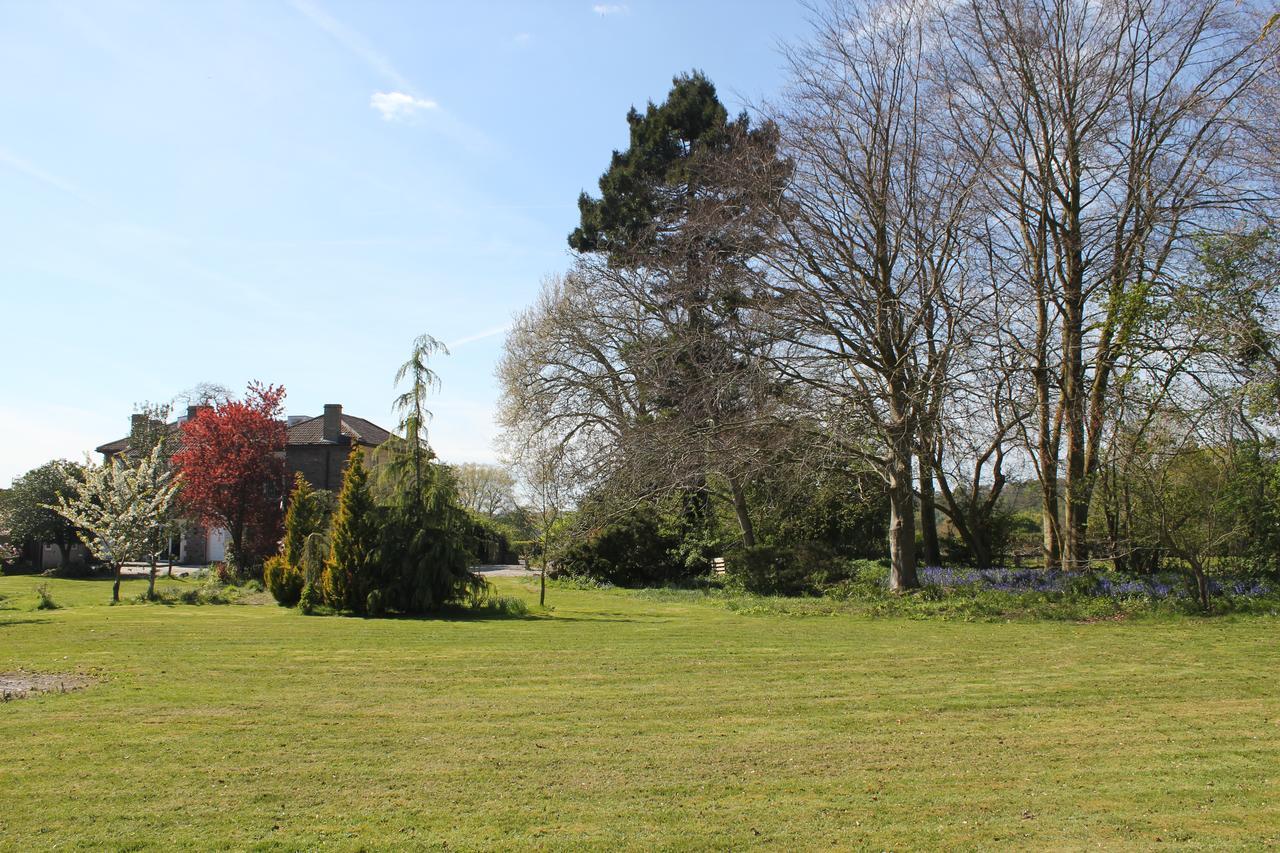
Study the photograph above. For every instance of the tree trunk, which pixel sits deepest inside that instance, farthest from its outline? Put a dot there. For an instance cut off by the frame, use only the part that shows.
(1048, 473)
(151, 580)
(115, 587)
(65, 551)
(1048, 440)
(980, 544)
(902, 523)
(1202, 581)
(236, 555)
(1049, 525)
(1075, 545)
(743, 513)
(928, 514)
(542, 580)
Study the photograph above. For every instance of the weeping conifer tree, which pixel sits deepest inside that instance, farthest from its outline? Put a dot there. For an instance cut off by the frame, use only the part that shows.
(425, 531)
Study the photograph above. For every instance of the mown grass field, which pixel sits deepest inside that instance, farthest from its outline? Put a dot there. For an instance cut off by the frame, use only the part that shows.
(624, 720)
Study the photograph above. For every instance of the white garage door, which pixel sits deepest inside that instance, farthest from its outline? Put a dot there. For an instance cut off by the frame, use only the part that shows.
(217, 551)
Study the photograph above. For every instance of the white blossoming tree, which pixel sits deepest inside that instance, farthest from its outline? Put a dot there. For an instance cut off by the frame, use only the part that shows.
(121, 506)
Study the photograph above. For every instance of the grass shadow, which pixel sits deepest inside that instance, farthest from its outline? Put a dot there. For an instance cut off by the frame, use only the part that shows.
(8, 623)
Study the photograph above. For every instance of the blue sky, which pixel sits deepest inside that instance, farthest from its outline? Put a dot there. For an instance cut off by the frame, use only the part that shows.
(292, 190)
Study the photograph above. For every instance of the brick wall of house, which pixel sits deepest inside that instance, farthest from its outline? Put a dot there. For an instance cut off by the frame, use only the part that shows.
(194, 544)
(321, 464)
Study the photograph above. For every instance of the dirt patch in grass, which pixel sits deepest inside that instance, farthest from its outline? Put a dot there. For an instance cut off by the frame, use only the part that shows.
(20, 685)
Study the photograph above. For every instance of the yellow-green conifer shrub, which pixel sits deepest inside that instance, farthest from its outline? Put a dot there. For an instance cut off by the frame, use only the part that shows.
(282, 580)
(350, 571)
(283, 574)
(303, 518)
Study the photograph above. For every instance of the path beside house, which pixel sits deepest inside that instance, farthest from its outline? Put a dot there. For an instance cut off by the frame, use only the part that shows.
(505, 571)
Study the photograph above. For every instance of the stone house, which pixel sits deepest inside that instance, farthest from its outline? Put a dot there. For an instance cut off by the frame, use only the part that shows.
(317, 447)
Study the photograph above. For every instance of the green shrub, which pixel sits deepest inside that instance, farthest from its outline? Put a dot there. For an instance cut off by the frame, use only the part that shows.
(526, 548)
(489, 542)
(311, 598)
(861, 579)
(309, 512)
(501, 605)
(282, 580)
(631, 551)
(770, 570)
(208, 592)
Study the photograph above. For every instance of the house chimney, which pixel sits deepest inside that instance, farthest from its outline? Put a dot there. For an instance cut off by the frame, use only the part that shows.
(332, 422)
(192, 411)
(137, 423)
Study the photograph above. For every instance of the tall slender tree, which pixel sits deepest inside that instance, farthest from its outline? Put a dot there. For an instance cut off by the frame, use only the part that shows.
(677, 230)
(412, 403)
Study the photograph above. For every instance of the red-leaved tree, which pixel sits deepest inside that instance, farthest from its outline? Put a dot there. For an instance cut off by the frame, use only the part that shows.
(231, 458)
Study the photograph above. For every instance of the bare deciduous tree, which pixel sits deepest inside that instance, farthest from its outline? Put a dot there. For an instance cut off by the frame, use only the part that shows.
(1112, 132)
(486, 489)
(870, 265)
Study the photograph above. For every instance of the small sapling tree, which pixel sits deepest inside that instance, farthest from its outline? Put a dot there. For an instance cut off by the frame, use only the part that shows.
(120, 506)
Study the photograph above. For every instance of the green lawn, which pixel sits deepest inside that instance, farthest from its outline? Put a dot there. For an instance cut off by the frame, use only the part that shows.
(620, 720)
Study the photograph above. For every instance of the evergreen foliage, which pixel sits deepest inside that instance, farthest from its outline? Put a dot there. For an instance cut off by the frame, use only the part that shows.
(310, 512)
(425, 533)
(314, 552)
(352, 568)
(633, 550)
(282, 580)
(304, 547)
(649, 188)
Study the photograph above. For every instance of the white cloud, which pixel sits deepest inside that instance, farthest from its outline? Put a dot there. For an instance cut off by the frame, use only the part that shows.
(402, 103)
(603, 9)
(522, 38)
(478, 336)
(399, 106)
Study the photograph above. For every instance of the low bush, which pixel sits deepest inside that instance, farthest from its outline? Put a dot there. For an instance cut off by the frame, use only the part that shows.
(503, 605)
(282, 580)
(804, 569)
(44, 598)
(631, 551)
(210, 591)
(311, 599)
(225, 572)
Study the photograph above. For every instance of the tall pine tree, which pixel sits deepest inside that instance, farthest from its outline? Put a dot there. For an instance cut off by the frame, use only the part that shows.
(688, 203)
